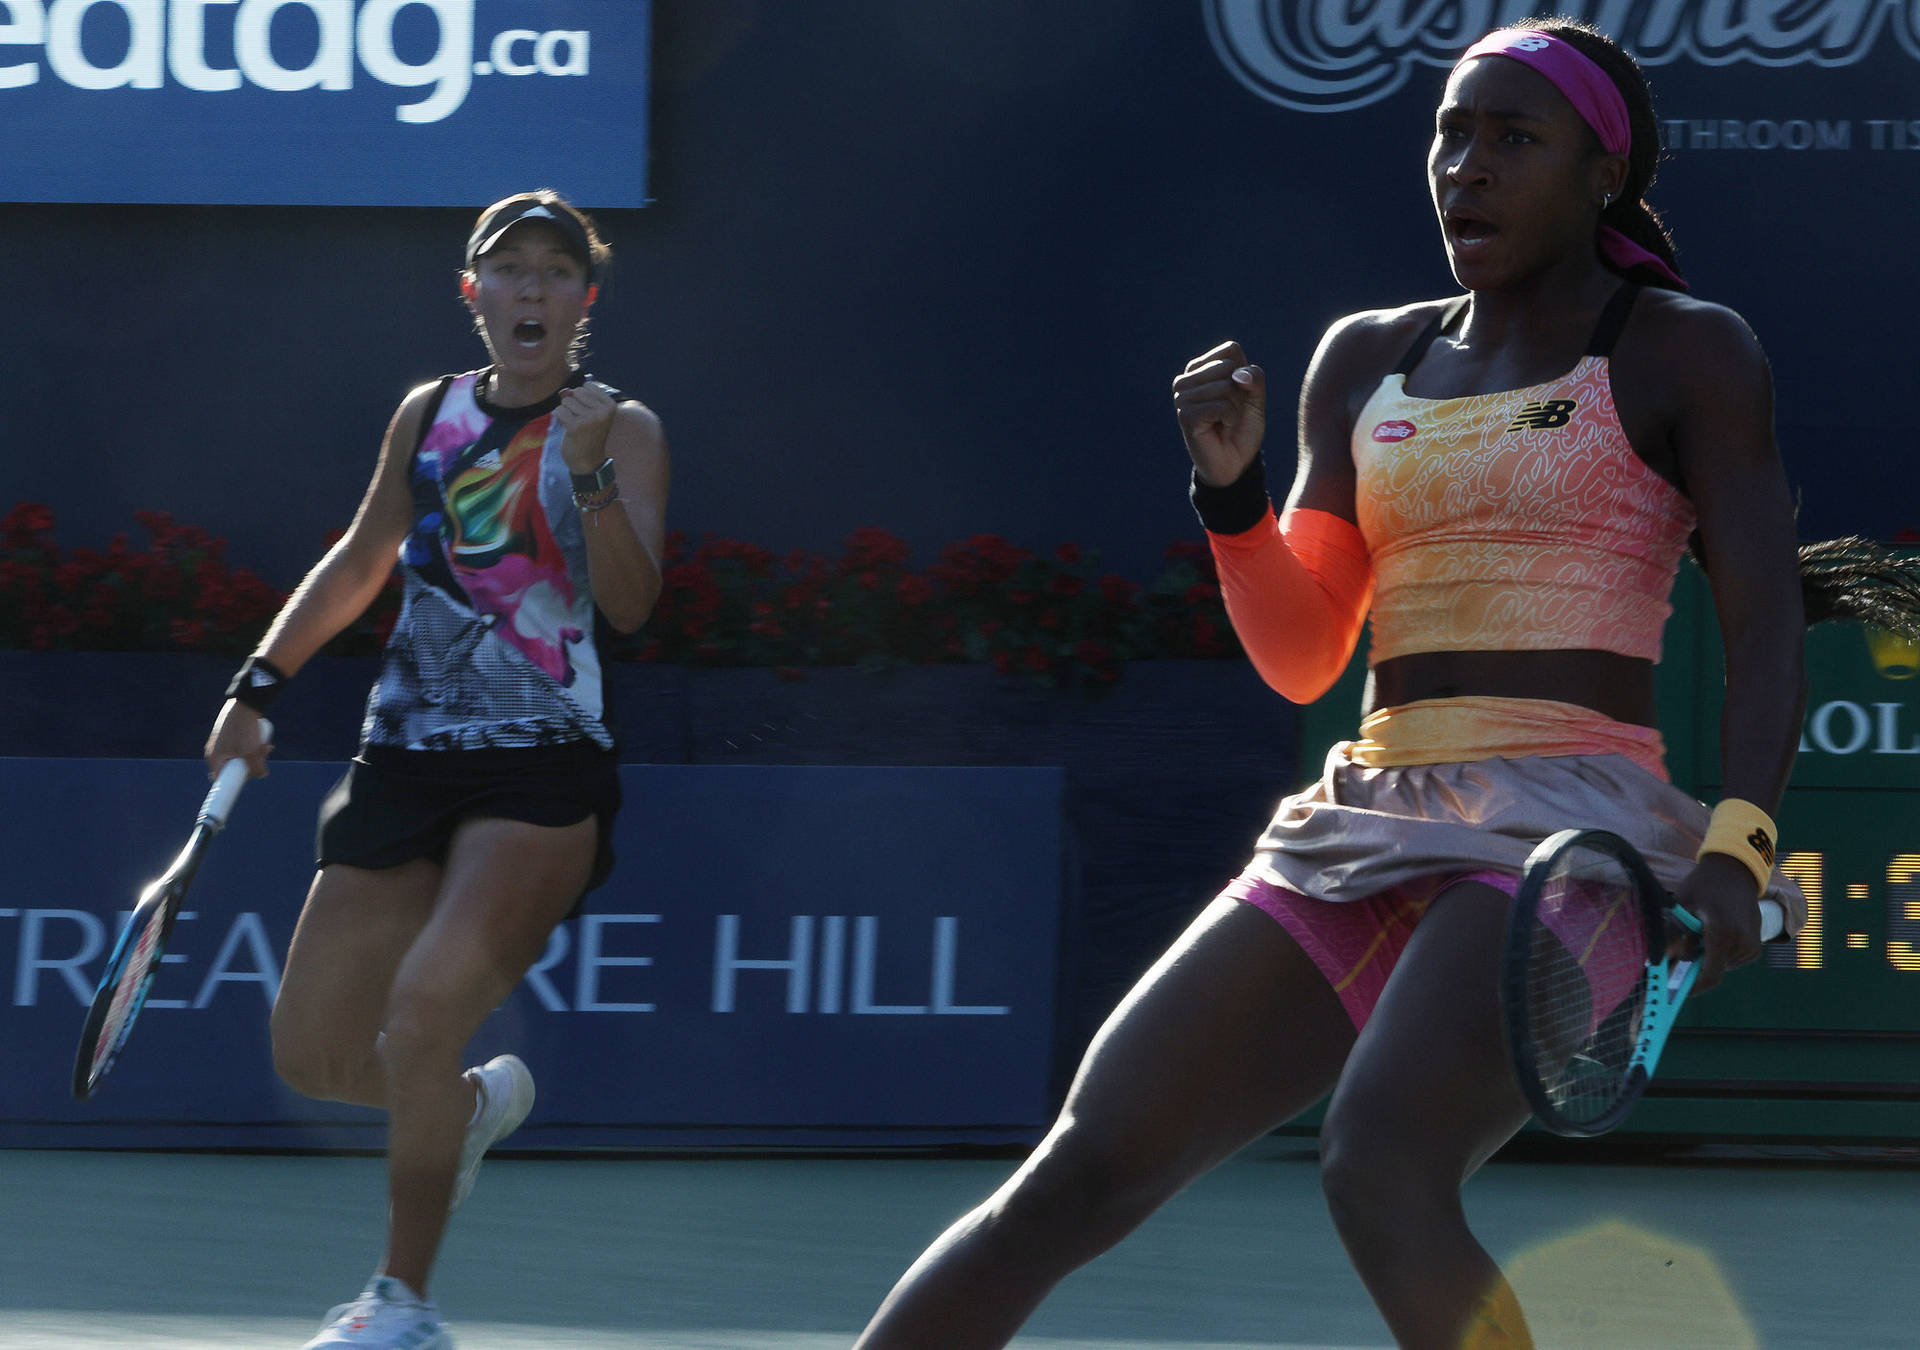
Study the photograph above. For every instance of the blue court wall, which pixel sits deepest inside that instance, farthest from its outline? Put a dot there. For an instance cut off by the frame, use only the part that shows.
(784, 956)
(932, 267)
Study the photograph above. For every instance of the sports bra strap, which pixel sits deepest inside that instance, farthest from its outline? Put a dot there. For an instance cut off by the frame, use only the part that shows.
(1612, 319)
(1441, 323)
(1606, 330)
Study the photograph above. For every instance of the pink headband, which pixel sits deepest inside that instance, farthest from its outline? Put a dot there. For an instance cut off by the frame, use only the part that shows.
(1596, 98)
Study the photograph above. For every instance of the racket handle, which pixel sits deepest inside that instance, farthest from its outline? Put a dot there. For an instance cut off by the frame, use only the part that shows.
(227, 784)
(1773, 920)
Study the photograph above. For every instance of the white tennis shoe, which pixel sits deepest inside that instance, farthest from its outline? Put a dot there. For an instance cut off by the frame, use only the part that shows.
(387, 1316)
(505, 1090)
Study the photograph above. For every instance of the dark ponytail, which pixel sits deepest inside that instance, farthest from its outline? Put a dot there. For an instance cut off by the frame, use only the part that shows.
(1855, 578)
(1630, 214)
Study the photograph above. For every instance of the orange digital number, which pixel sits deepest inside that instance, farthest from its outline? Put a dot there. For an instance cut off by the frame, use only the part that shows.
(1806, 951)
(1903, 911)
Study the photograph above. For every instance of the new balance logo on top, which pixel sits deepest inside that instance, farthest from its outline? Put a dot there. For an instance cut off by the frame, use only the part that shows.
(1555, 412)
(1762, 845)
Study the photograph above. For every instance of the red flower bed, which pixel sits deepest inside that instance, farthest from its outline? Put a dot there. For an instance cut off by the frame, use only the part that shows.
(1055, 619)
(177, 594)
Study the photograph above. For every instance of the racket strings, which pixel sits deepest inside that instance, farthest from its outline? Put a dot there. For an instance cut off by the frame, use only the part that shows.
(127, 990)
(1586, 984)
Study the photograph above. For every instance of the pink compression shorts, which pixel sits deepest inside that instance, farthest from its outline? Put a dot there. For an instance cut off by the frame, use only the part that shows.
(1356, 944)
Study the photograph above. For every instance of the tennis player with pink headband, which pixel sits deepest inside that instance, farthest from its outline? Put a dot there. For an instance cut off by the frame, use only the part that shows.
(1506, 481)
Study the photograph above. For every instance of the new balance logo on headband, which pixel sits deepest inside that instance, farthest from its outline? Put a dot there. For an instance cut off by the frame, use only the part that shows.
(1554, 412)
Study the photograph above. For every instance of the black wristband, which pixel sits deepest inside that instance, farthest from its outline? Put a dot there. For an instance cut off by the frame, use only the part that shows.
(257, 684)
(1235, 508)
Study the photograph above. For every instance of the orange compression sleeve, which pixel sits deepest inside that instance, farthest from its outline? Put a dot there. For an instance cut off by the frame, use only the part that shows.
(1297, 590)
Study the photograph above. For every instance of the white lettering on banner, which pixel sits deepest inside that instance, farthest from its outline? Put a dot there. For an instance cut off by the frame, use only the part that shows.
(558, 944)
(71, 944)
(866, 945)
(1726, 133)
(332, 66)
(545, 53)
(1821, 727)
(1331, 55)
(1886, 135)
(187, 48)
(502, 53)
(587, 976)
(26, 972)
(946, 945)
(139, 64)
(248, 934)
(1844, 727)
(25, 26)
(833, 984)
(726, 961)
(159, 40)
(1890, 732)
(833, 946)
(449, 69)
(246, 929)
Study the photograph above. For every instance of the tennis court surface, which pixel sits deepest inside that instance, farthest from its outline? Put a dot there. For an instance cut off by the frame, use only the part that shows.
(170, 1251)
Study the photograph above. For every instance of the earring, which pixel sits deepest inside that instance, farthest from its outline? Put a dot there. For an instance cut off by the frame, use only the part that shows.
(1606, 200)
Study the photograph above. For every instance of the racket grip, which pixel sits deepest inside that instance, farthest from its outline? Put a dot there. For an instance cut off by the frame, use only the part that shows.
(227, 784)
(1773, 920)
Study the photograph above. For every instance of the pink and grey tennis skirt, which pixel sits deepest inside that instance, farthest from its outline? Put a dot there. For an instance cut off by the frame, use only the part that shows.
(1349, 865)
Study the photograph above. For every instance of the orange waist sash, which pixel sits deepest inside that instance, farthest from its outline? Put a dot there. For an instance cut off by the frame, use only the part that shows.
(1457, 730)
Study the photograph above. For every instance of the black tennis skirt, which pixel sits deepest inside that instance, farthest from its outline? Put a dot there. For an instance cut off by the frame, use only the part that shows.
(394, 805)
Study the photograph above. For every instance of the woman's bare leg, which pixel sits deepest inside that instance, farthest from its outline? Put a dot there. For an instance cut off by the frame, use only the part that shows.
(1232, 1032)
(353, 933)
(1428, 1095)
(507, 884)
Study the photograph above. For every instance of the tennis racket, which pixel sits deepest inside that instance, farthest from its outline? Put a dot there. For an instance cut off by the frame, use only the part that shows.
(136, 956)
(1589, 990)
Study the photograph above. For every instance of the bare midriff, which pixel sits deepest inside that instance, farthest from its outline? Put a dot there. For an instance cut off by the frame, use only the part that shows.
(1620, 687)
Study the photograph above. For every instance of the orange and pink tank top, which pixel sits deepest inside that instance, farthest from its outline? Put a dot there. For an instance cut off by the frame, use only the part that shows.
(1515, 521)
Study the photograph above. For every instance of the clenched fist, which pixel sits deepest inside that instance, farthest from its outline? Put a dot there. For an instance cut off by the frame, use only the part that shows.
(586, 414)
(1221, 402)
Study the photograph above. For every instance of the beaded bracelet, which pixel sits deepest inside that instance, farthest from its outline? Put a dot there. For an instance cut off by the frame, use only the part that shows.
(597, 500)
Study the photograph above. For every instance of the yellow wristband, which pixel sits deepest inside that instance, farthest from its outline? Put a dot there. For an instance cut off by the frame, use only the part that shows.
(1742, 831)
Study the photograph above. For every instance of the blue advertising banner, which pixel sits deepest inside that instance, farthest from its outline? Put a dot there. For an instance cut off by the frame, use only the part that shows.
(323, 102)
(821, 956)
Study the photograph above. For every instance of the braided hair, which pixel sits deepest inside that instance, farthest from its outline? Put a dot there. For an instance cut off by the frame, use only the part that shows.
(1629, 213)
(1855, 578)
